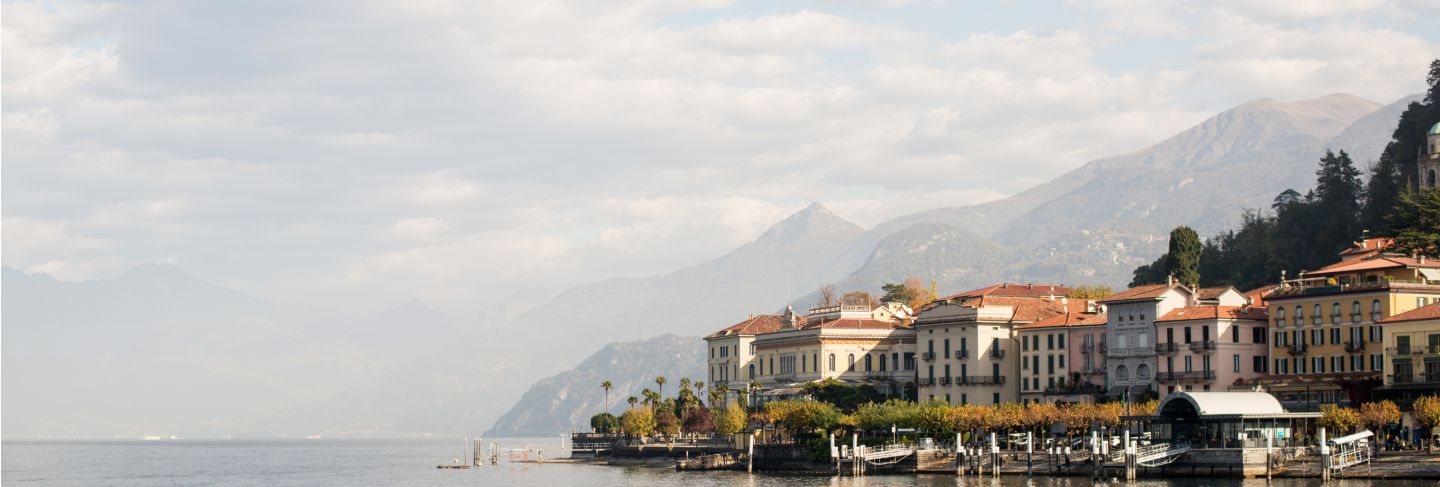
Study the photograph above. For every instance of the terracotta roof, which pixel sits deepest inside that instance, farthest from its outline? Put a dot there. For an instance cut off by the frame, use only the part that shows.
(1215, 312)
(1070, 318)
(1373, 264)
(753, 325)
(1369, 245)
(1148, 291)
(1427, 312)
(1211, 292)
(1012, 289)
(1025, 309)
(1257, 295)
(856, 323)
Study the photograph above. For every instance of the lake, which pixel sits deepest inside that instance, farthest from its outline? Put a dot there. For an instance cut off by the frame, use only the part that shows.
(411, 462)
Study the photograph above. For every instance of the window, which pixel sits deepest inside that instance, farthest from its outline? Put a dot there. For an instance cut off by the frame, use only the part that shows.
(1050, 364)
(1142, 372)
(1375, 310)
(1189, 363)
(995, 372)
(1049, 342)
(1315, 314)
(996, 398)
(930, 346)
(852, 362)
(964, 399)
(1187, 334)
(832, 362)
(1258, 364)
(1257, 335)
(932, 374)
(1334, 336)
(947, 347)
(1122, 373)
(1234, 334)
(1060, 339)
(1355, 312)
(1235, 363)
(712, 352)
(752, 371)
(947, 371)
(1025, 343)
(1025, 383)
(1061, 360)
(1299, 316)
(868, 360)
(1280, 317)
(1335, 313)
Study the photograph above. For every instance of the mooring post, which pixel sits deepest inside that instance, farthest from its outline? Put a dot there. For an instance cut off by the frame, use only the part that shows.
(1269, 453)
(1029, 453)
(1324, 457)
(994, 455)
(1095, 460)
(750, 454)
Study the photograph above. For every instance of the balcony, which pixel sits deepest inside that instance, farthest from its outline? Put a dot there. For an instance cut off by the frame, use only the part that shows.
(1132, 352)
(1354, 346)
(927, 356)
(1094, 370)
(1415, 378)
(1104, 348)
(944, 381)
(1167, 348)
(1191, 376)
(1206, 346)
(928, 381)
(1087, 348)
(1315, 286)
(962, 354)
(1411, 351)
(997, 353)
(980, 380)
(1298, 350)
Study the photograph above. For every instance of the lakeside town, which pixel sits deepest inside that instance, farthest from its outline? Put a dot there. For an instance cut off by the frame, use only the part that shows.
(1310, 375)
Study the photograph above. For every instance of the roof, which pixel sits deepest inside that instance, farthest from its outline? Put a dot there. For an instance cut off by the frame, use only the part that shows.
(1227, 403)
(1375, 263)
(1070, 318)
(1257, 296)
(1014, 290)
(1369, 245)
(1427, 312)
(855, 323)
(1212, 292)
(753, 325)
(1147, 291)
(1434, 130)
(1215, 312)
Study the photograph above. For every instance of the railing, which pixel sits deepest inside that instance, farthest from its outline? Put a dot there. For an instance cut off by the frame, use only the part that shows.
(1132, 352)
(928, 381)
(1316, 286)
(1203, 346)
(1415, 378)
(1087, 348)
(1167, 347)
(1194, 375)
(1298, 349)
(980, 380)
(786, 379)
(997, 353)
(1412, 350)
(962, 354)
(1094, 370)
(944, 381)
(1104, 348)
(1354, 346)
(927, 356)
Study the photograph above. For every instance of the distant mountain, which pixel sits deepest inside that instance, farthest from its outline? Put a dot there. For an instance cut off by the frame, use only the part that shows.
(157, 351)
(565, 402)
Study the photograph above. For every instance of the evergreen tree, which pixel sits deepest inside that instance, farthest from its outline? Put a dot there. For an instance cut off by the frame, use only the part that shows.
(1336, 207)
(1417, 220)
(1395, 168)
(1183, 259)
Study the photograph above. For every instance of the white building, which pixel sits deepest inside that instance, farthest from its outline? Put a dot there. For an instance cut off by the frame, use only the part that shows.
(1130, 322)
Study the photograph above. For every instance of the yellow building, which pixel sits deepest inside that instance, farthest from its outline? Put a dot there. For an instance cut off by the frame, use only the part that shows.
(1412, 355)
(1327, 334)
(852, 344)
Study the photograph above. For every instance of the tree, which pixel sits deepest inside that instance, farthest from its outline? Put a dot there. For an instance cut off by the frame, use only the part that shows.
(1152, 273)
(1417, 222)
(1099, 291)
(827, 296)
(698, 420)
(729, 420)
(1375, 415)
(666, 423)
(803, 419)
(857, 298)
(638, 421)
(1337, 198)
(1395, 170)
(1339, 420)
(606, 385)
(1183, 258)
(660, 381)
(604, 423)
(911, 293)
(632, 400)
(937, 418)
(1426, 410)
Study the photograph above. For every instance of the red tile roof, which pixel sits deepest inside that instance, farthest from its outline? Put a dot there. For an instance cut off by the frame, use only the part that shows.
(856, 323)
(1070, 318)
(1014, 290)
(1257, 296)
(1369, 245)
(753, 325)
(1373, 264)
(1427, 312)
(1215, 312)
(1211, 292)
(1148, 291)
(1025, 309)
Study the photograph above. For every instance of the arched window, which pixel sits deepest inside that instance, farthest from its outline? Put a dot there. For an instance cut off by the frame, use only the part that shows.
(1142, 372)
(852, 362)
(1335, 313)
(868, 360)
(1430, 179)
(1315, 316)
(832, 362)
(752, 371)
(1355, 312)
(1299, 316)
(1280, 317)
(882, 362)
(1375, 310)
(1122, 374)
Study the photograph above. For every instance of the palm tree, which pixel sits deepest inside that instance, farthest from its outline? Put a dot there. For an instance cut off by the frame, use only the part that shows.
(606, 385)
(660, 381)
(684, 383)
(699, 385)
(755, 388)
(724, 390)
(632, 401)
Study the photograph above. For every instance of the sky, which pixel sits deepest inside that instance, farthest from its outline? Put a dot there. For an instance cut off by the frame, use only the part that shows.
(360, 155)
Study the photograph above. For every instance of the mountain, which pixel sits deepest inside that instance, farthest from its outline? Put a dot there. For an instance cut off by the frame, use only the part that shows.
(564, 402)
(157, 351)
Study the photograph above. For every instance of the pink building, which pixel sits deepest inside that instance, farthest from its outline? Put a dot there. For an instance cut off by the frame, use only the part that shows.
(1203, 348)
(1061, 357)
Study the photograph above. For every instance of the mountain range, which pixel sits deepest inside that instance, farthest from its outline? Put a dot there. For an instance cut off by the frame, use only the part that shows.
(156, 351)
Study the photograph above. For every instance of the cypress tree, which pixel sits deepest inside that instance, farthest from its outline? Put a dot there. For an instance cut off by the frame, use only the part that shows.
(1183, 259)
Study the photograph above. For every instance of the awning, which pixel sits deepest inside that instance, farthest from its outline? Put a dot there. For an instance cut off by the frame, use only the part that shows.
(1430, 274)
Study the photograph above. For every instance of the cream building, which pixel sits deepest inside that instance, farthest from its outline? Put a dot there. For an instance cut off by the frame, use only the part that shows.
(1130, 319)
(1412, 355)
(853, 344)
(730, 352)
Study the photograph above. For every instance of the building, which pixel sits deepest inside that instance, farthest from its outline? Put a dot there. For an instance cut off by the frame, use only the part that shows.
(1429, 160)
(730, 354)
(1130, 323)
(1326, 336)
(852, 344)
(1059, 361)
(967, 342)
(1412, 355)
(1210, 347)
(1228, 432)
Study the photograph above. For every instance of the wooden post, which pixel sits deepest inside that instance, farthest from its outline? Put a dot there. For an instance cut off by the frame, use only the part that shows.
(959, 455)
(994, 455)
(750, 455)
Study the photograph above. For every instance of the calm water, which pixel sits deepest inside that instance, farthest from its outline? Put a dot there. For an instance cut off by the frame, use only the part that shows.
(412, 462)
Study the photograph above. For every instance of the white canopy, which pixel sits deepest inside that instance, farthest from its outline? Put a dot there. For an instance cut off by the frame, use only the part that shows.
(1227, 403)
(1351, 438)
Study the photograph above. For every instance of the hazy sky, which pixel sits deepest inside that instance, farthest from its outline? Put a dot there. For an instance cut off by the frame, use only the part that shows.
(360, 155)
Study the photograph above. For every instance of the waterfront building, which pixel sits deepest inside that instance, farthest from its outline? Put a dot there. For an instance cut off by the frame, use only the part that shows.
(1130, 322)
(848, 343)
(1326, 333)
(1227, 431)
(1412, 355)
(730, 354)
(1429, 159)
(967, 342)
(1059, 358)
(1210, 347)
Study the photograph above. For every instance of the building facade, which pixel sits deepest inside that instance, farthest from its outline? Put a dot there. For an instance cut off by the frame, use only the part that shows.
(1055, 354)
(1326, 326)
(1429, 160)
(1130, 322)
(1205, 348)
(730, 354)
(852, 344)
(1412, 355)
